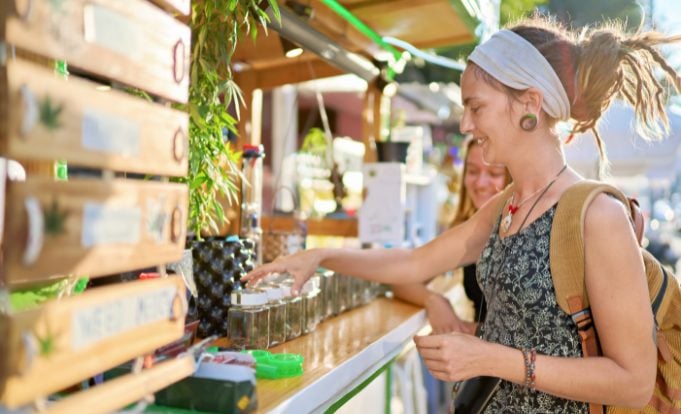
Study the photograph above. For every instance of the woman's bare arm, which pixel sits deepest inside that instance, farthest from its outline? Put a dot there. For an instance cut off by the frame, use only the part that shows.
(458, 246)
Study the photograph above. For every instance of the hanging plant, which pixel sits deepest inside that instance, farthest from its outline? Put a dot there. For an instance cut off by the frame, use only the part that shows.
(217, 27)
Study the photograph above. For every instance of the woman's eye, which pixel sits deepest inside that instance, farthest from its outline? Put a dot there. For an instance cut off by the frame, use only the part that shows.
(475, 110)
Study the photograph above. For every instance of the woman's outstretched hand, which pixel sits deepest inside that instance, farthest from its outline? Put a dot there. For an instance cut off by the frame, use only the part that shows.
(301, 266)
(451, 357)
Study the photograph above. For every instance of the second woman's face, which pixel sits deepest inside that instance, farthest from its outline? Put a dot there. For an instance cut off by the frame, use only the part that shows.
(482, 180)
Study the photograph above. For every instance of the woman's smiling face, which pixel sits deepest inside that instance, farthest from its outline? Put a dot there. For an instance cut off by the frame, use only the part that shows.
(486, 116)
(482, 180)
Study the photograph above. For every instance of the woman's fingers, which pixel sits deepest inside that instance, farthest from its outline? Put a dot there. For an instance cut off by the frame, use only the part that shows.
(431, 354)
(260, 272)
(428, 341)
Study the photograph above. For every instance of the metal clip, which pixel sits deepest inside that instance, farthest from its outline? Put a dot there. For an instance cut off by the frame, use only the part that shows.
(31, 113)
(36, 227)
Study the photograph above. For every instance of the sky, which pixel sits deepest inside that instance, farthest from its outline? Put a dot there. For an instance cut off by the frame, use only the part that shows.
(667, 15)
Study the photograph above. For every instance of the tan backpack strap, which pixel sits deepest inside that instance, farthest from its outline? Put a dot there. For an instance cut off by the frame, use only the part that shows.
(567, 261)
(567, 242)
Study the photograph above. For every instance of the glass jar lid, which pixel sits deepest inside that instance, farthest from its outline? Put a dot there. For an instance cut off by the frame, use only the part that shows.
(273, 292)
(248, 297)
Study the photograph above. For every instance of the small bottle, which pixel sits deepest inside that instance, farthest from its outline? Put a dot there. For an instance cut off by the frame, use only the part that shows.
(254, 233)
(248, 319)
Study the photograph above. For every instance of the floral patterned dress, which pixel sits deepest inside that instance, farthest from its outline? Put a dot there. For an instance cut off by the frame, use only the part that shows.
(522, 312)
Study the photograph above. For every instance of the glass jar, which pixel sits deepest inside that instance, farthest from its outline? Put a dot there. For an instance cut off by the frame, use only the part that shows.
(343, 294)
(327, 281)
(248, 319)
(275, 301)
(294, 311)
(311, 304)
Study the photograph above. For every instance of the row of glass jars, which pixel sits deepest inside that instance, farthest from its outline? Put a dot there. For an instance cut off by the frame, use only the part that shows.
(269, 315)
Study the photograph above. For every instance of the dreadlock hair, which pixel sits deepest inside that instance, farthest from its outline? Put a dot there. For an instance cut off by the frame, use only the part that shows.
(600, 64)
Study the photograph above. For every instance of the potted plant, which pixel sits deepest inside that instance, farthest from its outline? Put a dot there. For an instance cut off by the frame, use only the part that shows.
(217, 27)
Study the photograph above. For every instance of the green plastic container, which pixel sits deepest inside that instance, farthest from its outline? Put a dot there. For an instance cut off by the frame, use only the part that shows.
(276, 366)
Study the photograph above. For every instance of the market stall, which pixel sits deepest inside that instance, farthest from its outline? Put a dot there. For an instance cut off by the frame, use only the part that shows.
(127, 123)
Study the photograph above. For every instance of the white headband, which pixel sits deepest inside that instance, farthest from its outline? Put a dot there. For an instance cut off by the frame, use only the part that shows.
(516, 63)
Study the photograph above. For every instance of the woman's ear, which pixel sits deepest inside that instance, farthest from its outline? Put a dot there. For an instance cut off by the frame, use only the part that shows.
(532, 100)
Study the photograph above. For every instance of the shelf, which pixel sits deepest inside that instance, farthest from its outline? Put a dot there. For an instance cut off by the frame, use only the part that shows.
(316, 227)
(340, 355)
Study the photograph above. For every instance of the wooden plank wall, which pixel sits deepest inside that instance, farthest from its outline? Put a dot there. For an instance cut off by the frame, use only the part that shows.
(122, 216)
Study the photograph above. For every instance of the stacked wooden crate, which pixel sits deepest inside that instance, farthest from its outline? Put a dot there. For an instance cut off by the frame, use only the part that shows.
(93, 226)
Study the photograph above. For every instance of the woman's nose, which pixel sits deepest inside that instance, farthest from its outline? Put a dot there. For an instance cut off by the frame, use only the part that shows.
(466, 125)
(483, 180)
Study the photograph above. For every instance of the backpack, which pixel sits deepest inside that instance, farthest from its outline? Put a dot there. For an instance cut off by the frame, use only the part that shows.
(567, 271)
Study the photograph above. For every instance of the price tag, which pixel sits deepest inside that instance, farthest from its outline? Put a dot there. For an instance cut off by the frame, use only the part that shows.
(110, 225)
(112, 30)
(111, 134)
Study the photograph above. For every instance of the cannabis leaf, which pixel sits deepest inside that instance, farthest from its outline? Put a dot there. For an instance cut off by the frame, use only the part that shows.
(55, 218)
(50, 113)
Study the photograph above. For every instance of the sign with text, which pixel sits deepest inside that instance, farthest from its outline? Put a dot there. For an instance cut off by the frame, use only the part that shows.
(81, 336)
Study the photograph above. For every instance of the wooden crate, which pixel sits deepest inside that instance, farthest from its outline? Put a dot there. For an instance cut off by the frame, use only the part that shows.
(61, 343)
(91, 227)
(100, 129)
(130, 41)
(119, 392)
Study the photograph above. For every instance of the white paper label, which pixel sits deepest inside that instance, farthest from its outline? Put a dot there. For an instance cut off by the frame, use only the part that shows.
(102, 321)
(156, 219)
(108, 225)
(106, 133)
(113, 31)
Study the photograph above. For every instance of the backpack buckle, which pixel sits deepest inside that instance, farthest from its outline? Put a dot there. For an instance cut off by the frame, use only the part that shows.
(582, 319)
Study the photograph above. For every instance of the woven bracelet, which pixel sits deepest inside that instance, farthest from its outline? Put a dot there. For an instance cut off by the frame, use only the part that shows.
(529, 358)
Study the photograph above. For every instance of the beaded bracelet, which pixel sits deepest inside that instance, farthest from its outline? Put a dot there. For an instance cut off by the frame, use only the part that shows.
(529, 358)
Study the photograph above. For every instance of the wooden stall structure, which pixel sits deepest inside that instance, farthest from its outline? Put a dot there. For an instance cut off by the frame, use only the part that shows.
(262, 65)
(93, 226)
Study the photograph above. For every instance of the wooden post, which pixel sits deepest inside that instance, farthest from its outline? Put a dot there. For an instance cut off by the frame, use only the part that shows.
(371, 122)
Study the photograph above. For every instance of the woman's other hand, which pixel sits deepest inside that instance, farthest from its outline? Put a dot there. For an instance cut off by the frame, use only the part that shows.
(453, 356)
(442, 317)
(301, 266)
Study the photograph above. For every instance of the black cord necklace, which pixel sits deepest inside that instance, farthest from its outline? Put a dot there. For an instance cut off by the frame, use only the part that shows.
(502, 262)
(507, 221)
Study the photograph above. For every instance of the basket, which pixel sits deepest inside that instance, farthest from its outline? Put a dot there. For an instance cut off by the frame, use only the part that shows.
(277, 243)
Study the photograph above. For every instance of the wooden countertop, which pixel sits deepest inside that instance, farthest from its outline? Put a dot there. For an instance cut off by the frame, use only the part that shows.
(341, 353)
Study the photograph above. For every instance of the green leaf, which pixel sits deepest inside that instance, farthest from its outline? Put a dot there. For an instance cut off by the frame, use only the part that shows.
(50, 114)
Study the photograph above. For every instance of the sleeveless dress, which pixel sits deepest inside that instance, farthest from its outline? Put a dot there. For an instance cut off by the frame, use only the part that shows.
(522, 312)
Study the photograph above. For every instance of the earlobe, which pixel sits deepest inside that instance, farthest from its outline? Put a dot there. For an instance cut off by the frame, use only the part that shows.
(528, 122)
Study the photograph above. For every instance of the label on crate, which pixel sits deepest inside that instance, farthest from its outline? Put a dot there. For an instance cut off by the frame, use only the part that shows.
(111, 134)
(104, 320)
(109, 224)
(112, 30)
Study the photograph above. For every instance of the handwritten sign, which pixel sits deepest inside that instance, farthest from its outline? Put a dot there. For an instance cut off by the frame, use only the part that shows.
(106, 320)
